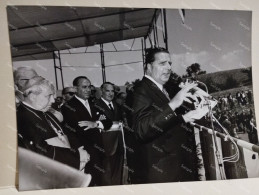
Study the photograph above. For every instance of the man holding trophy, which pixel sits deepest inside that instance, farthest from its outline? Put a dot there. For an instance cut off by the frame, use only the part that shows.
(162, 151)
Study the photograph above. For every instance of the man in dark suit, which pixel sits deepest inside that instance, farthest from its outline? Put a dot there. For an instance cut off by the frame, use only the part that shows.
(39, 131)
(83, 123)
(161, 142)
(113, 145)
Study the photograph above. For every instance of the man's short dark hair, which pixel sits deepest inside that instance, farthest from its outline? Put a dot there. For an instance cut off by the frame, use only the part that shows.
(77, 79)
(92, 86)
(151, 52)
(107, 83)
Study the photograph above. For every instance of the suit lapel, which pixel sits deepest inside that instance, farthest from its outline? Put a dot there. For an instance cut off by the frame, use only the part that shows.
(82, 108)
(115, 112)
(155, 90)
(108, 111)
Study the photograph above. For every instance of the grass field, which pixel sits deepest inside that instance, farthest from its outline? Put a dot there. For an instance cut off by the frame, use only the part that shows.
(232, 91)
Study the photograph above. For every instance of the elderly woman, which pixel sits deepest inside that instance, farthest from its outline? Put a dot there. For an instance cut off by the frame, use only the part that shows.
(40, 131)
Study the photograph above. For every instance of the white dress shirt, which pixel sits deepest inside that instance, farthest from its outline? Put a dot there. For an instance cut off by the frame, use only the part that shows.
(85, 103)
(87, 106)
(107, 103)
(157, 84)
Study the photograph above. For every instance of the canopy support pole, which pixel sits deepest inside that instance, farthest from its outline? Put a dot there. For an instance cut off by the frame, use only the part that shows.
(102, 63)
(61, 71)
(165, 26)
(55, 69)
(143, 54)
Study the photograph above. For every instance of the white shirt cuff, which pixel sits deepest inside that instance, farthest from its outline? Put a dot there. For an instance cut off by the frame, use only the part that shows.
(100, 125)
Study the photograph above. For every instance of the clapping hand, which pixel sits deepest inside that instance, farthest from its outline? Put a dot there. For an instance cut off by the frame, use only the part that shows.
(183, 95)
(102, 117)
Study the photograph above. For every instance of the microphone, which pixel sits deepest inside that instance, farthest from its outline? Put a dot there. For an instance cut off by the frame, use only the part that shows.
(203, 85)
(205, 100)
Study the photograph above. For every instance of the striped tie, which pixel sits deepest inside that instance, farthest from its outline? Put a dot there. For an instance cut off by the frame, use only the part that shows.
(110, 106)
(166, 94)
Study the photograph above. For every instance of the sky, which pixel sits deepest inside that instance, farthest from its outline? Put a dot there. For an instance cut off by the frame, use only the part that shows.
(217, 40)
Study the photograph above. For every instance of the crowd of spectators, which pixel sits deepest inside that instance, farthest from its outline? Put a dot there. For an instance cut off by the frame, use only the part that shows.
(235, 113)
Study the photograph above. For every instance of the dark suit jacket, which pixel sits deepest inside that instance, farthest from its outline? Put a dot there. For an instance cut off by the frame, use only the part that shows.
(110, 139)
(73, 112)
(113, 115)
(34, 129)
(113, 145)
(160, 147)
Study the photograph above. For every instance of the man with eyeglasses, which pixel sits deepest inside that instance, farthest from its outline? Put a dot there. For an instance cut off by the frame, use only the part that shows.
(68, 93)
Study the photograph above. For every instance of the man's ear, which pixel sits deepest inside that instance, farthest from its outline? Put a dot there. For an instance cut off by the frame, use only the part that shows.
(32, 97)
(149, 69)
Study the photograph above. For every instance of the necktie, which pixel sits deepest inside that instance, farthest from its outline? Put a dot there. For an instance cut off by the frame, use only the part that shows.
(88, 107)
(166, 94)
(110, 106)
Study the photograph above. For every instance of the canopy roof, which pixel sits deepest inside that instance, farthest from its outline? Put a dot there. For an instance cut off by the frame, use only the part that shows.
(37, 31)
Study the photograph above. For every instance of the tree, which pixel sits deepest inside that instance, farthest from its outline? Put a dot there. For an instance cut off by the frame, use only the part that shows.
(231, 83)
(248, 71)
(212, 85)
(172, 85)
(194, 69)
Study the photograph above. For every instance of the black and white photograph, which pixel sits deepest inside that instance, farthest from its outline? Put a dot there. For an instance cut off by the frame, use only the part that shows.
(122, 96)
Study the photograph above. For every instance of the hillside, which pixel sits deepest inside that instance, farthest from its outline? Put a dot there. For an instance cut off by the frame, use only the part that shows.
(225, 80)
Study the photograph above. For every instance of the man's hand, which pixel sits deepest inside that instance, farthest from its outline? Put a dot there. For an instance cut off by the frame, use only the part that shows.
(183, 95)
(196, 114)
(84, 157)
(102, 117)
(87, 124)
(191, 116)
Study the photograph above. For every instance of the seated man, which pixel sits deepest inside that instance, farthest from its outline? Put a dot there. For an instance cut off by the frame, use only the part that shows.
(40, 131)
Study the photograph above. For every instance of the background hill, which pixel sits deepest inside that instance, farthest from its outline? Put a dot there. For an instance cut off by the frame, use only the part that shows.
(225, 80)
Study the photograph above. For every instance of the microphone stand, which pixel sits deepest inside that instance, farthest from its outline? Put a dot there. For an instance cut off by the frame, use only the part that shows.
(217, 153)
